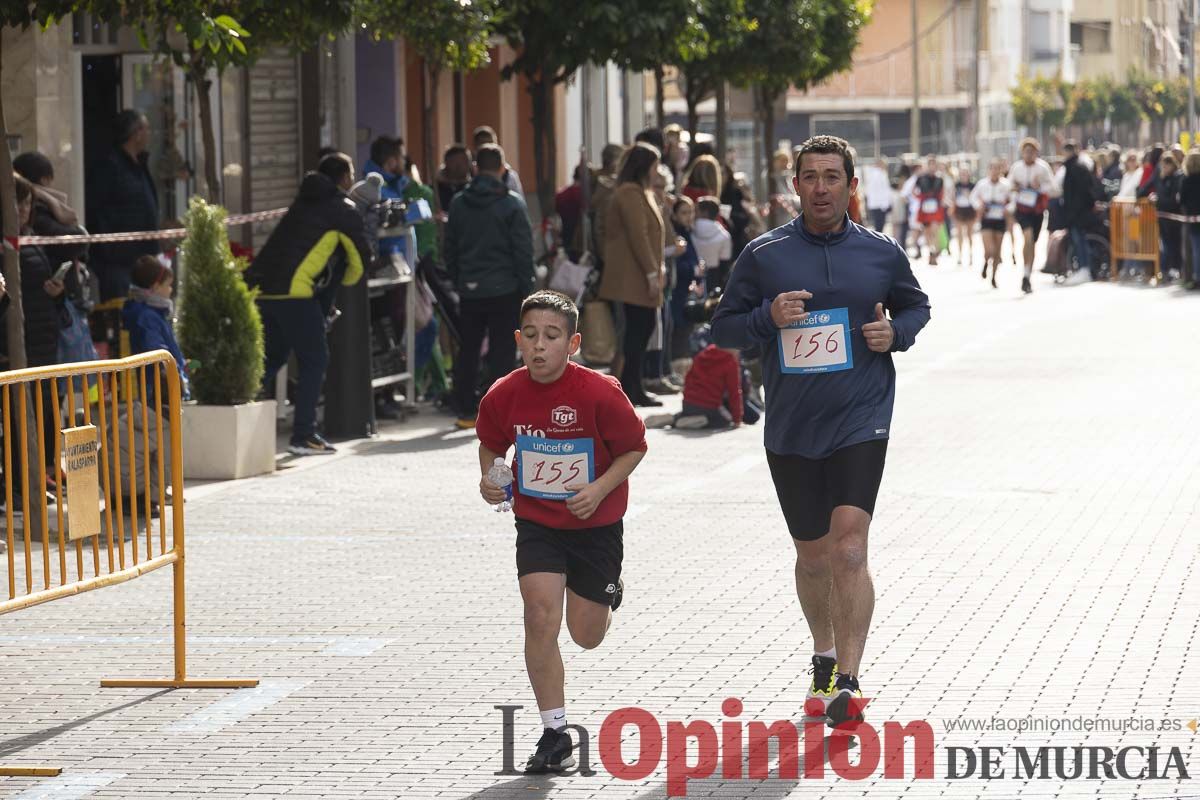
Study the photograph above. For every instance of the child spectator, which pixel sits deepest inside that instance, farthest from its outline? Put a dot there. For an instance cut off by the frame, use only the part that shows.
(714, 245)
(689, 272)
(149, 312)
(712, 393)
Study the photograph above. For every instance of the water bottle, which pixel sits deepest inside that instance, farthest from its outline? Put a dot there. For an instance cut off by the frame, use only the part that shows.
(500, 475)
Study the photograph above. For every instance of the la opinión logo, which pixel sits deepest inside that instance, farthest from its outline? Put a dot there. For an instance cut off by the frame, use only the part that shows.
(735, 750)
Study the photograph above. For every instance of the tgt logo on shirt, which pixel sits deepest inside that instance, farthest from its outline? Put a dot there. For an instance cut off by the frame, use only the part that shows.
(563, 416)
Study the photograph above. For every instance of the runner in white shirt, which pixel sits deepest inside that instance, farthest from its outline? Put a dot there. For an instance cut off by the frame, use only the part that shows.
(991, 198)
(1033, 185)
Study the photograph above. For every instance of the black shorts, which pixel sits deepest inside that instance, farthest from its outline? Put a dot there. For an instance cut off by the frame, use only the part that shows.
(997, 225)
(809, 489)
(1034, 221)
(589, 557)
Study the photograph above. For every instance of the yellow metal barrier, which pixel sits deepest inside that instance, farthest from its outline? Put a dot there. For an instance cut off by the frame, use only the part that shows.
(111, 455)
(1133, 233)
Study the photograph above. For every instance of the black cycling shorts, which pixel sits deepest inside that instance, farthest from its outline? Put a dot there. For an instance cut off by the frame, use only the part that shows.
(1034, 221)
(809, 489)
(997, 225)
(589, 557)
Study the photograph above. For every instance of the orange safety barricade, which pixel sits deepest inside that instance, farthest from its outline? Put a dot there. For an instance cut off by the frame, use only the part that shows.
(1133, 233)
(116, 465)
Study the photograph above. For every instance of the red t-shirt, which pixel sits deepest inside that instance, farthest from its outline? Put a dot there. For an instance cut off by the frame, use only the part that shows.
(714, 379)
(581, 420)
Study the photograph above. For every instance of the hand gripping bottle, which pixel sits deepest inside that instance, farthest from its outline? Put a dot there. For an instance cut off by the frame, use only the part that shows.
(500, 475)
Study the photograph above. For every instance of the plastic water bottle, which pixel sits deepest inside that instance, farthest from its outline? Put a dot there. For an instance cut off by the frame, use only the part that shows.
(502, 476)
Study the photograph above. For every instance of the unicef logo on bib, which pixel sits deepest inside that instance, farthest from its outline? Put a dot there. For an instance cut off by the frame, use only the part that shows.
(823, 318)
(567, 447)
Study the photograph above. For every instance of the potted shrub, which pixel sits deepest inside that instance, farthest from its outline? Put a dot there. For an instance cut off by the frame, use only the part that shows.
(226, 433)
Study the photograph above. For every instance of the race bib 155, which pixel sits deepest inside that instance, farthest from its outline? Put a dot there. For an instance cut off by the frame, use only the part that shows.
(546, 467)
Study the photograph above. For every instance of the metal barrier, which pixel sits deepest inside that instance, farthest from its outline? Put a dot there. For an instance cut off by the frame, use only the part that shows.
(117, 466)
(1133, 234)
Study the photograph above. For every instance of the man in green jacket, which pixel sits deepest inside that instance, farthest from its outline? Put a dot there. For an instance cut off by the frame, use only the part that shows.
(489, 256)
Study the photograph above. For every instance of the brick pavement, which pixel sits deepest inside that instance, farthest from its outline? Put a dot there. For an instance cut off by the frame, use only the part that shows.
(1035, 540)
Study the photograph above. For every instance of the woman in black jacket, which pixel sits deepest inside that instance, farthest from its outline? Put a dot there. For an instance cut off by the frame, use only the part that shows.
(41, 297)
(1189, 201)
(1165, 187)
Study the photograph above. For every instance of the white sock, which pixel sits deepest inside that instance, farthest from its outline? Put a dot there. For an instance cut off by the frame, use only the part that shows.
(830, 653)
(554, 719)
(1029, 270)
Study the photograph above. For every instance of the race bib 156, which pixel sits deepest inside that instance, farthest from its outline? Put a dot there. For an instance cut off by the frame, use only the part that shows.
(546, 467)
(819, 343)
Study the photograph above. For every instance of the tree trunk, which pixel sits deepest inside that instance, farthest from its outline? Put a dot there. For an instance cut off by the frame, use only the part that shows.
(429, 95)
(766, 110)
(722, 122)
(212, 159)
(693, 117)
(541, 91)
(15, 318)
(660, 110)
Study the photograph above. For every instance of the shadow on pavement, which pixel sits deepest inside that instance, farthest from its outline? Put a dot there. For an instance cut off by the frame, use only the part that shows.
(438, 440)
(12, 746)
(529, 787)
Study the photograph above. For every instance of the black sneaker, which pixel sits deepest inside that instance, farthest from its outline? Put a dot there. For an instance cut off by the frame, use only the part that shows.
(1026, 286)
(553, 753)
(822, 686)
(984, 273)
(838, 710)
(618, 593)
(314, 445)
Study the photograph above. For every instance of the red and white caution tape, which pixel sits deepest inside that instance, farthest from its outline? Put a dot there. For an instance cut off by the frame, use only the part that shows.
(141, 236)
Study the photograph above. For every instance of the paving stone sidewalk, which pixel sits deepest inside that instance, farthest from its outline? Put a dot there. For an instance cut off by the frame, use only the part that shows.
(1034, 554)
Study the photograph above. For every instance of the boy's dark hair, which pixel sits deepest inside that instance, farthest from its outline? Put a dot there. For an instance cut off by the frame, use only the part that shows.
(24, 188)
(148, 272)
(652, 136)
(828, 145)
(708, 207)
(484, 134)
(385, 147)
(336, 166)
(490, 158)
(557, 302)
(637, 163)
(33, 167)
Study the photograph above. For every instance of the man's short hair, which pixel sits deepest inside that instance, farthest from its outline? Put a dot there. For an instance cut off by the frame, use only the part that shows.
(385, 147)
(652, 136)
(1071, 146)
(456, 150)
(490, 158)
(126, 124)
(484, 134)
(559, 303)
(828, 145)
(336, 166)
(708, 207)
(33, 167)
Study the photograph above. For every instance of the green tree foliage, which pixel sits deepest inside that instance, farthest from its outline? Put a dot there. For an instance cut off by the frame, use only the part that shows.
(1039, 97)
(444, 34)
(1089, 101)
(203, 37)
(551, 41)
(794, 43)
(708, 54)
(219, 325)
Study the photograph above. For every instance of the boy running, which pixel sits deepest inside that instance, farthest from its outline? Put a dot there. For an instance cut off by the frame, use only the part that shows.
(577, 440)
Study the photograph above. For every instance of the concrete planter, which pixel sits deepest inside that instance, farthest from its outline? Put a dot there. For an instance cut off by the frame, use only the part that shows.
(227, 442)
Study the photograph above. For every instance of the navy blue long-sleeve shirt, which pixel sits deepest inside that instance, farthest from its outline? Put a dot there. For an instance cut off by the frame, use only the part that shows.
(812, 414)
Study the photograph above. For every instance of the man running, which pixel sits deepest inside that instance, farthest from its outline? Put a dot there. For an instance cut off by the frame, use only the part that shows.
(991, 198)
(1033, 185)
(812, 294)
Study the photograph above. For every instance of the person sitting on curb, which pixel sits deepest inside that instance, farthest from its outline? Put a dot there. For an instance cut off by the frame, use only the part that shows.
(712, 393)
